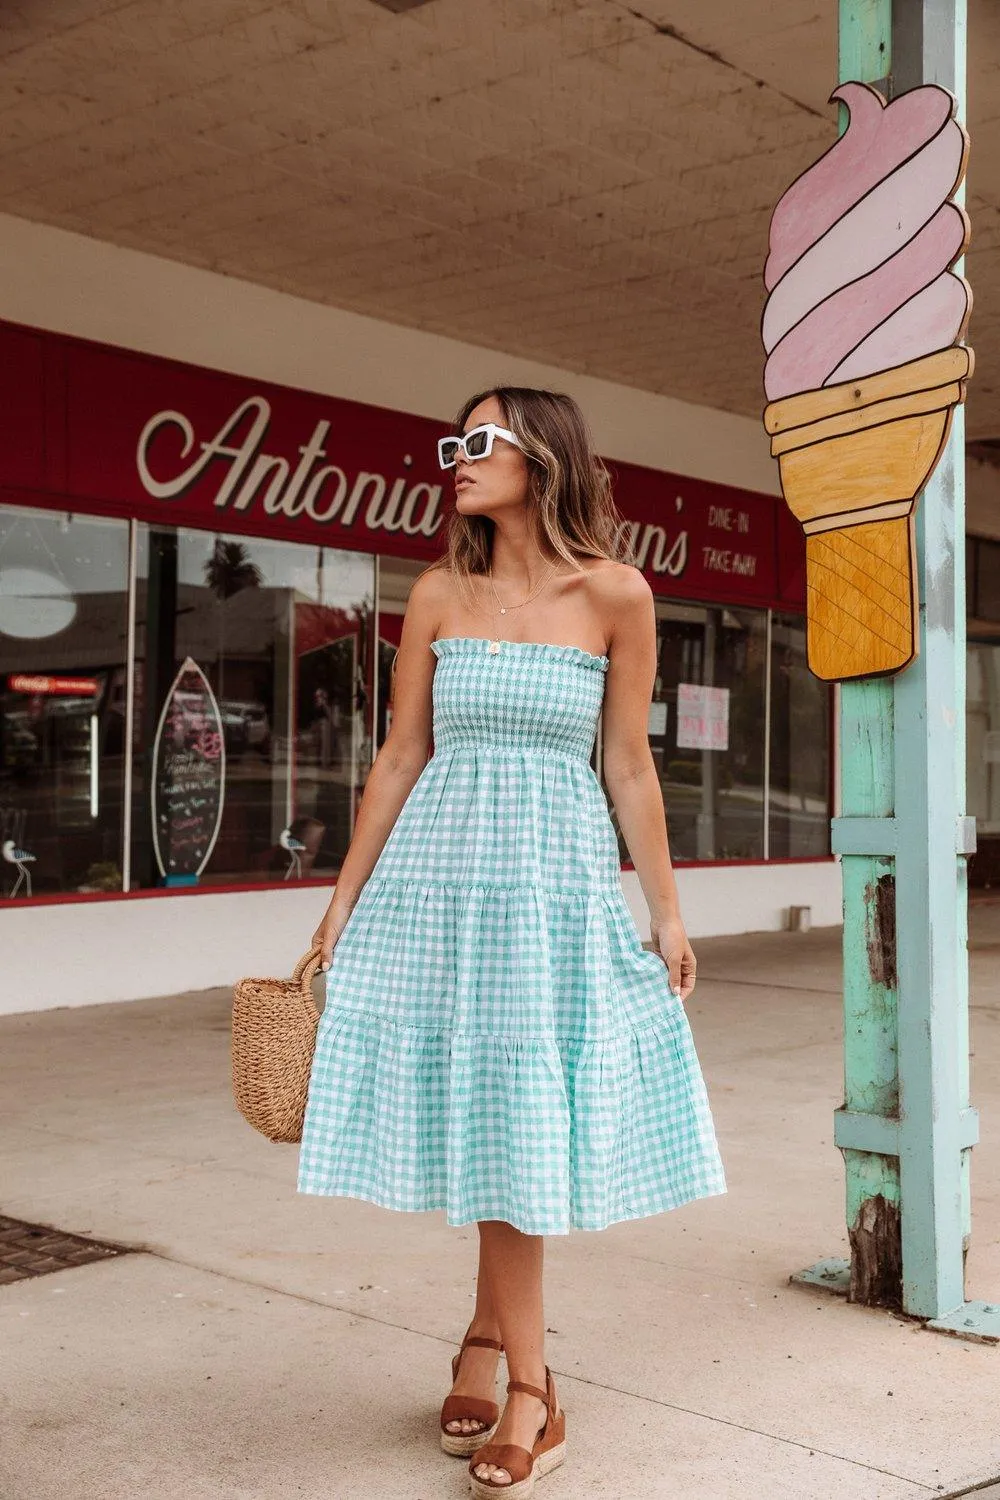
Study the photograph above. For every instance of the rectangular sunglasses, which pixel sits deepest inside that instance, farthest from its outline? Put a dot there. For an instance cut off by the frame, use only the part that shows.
(475, 444)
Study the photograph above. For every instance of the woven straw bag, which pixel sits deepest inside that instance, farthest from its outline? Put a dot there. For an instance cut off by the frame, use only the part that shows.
(274, 1036)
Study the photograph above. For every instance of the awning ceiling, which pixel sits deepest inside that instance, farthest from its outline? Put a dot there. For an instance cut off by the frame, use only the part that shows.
(587, 182)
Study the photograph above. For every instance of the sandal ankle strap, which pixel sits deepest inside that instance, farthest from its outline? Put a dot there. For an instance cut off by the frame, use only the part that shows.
(483, 1343)
(529, 1390)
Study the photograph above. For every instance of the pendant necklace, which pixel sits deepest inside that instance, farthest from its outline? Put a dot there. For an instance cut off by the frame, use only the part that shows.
(494, 645)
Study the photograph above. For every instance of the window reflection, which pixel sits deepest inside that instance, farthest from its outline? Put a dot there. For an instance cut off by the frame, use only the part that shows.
(262, 687)
(983, 759)
(706, 726)
(396, 577)
(63, 613)
(281, 634)
(707, 733)
(799, 798)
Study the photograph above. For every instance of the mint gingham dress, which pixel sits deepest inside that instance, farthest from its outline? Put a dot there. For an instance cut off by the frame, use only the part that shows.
(496, 1041)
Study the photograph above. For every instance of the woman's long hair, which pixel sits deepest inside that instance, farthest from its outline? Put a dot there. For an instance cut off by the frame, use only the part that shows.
(569, 487)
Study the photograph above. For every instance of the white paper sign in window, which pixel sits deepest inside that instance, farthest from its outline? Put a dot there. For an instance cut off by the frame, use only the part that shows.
(702, 717)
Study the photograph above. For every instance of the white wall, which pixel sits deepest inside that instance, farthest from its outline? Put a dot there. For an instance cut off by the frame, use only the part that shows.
(157, 945)
(101, 951)
(49, 278)
(730, 899)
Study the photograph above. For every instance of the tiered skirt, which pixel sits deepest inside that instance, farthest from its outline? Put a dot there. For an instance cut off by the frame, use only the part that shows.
(505, 1052)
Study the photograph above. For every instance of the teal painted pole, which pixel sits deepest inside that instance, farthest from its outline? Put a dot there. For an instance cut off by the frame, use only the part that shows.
(929, 45)
(906, 1129)
(871, 1088)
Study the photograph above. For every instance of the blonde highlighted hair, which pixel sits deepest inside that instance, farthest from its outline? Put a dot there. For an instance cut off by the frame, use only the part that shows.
(568, 485)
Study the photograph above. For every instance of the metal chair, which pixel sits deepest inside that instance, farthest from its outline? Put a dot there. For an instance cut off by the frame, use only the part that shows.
(20, 858)
(295, 848)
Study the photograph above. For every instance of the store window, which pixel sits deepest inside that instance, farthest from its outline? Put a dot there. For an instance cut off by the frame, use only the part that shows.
(739, 733)
(396, 577)
(253, 687)
(983, 758)
(706, 729)
(250, 706)
(799, 791)
(63, 632)
(982, 557)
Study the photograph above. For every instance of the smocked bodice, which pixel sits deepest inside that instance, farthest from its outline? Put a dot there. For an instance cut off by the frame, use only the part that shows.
(509, 796)
(530, 695)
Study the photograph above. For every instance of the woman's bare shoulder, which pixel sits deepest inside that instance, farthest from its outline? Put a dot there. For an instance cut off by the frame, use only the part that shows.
(431, 587)
(618, 585)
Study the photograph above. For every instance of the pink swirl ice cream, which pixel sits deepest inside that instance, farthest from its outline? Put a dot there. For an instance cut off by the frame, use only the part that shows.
(861, 244)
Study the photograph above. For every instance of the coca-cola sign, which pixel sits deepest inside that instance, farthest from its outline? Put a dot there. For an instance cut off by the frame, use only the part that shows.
(53, 687)
(174, 445)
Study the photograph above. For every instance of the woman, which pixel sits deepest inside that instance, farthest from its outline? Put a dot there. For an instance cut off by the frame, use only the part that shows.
(496, 1040)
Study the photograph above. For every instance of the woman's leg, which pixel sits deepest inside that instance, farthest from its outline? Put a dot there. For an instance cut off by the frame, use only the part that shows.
(477, 1371)
(513, 1264)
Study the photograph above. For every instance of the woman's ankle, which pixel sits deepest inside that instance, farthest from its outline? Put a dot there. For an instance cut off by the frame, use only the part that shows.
(482, 1328)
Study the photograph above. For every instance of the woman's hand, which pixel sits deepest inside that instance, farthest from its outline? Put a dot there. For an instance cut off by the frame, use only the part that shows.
(671, 941)
(329, 930)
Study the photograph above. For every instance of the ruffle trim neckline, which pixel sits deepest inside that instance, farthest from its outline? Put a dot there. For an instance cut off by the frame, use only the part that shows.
(448, 645)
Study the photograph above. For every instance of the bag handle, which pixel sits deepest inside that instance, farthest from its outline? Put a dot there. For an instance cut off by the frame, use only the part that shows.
(307, 968)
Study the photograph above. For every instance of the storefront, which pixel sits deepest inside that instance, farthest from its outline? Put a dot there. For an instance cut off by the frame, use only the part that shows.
(202, 581)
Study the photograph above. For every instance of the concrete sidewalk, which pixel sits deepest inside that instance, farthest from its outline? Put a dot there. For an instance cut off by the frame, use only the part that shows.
(266, 1345)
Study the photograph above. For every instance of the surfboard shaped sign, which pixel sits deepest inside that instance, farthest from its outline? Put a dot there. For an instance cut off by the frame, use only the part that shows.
(189, 777)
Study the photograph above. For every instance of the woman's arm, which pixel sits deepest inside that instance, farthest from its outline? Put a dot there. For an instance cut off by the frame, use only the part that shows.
(398, 763)
(630, 772)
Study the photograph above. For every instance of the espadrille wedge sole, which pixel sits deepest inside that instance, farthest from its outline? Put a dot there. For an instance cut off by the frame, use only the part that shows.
(520, 1489)
(525, 1468)
(461, 1444)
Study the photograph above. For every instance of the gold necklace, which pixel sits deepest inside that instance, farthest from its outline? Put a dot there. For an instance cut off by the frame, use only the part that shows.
(494, 645)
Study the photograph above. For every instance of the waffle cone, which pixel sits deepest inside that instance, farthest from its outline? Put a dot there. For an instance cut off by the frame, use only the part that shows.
(861, 599)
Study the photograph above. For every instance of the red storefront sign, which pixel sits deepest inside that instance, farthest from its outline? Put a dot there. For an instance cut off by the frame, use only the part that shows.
(53, 687)
(122, 434)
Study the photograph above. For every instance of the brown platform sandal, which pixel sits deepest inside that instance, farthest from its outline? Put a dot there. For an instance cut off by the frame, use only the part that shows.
(547, 1452)
(474, 1408)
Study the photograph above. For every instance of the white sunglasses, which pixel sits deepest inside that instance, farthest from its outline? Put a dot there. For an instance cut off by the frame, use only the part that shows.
(475, 444)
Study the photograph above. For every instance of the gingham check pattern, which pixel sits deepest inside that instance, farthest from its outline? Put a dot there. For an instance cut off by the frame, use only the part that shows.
(496, 1041)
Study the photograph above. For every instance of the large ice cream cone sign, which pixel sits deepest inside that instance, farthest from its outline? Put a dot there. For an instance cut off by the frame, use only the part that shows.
(863, 329)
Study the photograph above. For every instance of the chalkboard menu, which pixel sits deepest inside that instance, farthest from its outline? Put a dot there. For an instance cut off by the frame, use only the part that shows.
(189, 777)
